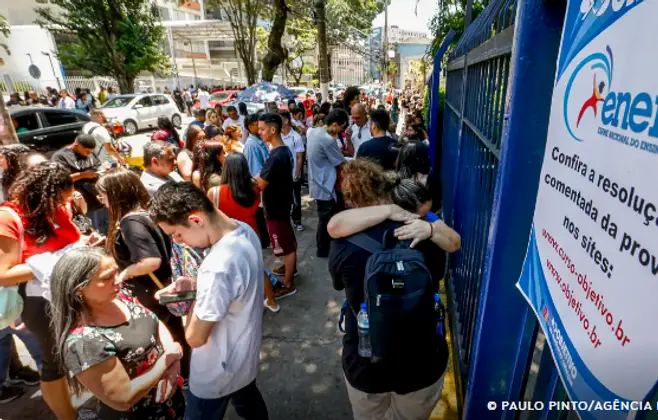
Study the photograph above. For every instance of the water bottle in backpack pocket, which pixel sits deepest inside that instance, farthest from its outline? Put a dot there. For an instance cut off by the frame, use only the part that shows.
(399, 297)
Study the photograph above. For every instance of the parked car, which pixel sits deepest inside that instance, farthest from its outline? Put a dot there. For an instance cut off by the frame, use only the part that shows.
(139, 111)
(302, 91)
(47, 130)
(220, 98)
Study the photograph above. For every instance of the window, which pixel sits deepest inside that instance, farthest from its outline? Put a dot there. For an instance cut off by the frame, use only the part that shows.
(145, 101)
(164, 12)
(27, 122)
(60, 118)
(160, 100)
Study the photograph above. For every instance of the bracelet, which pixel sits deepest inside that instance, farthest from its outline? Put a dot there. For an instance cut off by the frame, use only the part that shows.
(431, 230)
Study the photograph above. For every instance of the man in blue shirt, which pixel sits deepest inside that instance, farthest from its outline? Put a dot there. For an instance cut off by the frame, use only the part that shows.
(255, 149)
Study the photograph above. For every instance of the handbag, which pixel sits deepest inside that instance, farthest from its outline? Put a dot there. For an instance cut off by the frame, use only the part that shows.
(11, 302)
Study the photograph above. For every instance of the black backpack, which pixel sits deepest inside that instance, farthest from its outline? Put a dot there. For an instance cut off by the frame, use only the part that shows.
(400, 296)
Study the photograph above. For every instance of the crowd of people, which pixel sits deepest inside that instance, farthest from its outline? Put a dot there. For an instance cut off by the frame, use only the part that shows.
(96, 251)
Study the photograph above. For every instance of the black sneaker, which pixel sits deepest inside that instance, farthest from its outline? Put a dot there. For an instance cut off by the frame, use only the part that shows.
(23, 376)
(9, 394)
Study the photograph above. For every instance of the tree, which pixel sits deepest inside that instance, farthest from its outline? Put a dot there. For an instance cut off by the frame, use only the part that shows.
(243, 17)
(452, 15)
(118, 38)
(7, 132)
(4, 31)
(303, 40)
(347, 23)
(275, 54)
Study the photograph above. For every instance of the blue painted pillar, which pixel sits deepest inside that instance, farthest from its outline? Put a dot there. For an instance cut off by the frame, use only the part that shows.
(506, 327)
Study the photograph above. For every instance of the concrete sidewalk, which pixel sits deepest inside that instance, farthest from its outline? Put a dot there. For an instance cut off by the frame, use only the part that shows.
(301, 375)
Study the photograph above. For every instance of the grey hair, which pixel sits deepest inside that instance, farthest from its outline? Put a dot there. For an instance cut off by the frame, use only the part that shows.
(154, 149)
(72, 272)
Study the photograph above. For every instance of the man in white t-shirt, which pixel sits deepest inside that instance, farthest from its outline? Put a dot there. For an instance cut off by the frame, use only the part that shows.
(224, 325)
(105, 149)
(294, 142)
(360, 129)
(233, 118)
(204, 98)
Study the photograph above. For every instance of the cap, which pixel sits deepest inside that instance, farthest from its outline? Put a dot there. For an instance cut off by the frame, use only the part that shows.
(437, 297)
(364, 306)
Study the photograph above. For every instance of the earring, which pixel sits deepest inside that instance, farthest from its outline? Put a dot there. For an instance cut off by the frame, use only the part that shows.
(80, 298)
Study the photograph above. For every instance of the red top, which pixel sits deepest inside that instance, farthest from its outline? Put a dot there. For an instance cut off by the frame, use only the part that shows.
(308, 106)
(232, 209)
(66, 232)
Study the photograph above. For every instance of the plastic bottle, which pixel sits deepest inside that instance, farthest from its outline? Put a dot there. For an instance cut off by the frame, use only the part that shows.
(440, 315)
(365, 346)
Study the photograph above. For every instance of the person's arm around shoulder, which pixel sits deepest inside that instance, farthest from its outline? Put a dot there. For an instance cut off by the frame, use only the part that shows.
(349, 222)
(109, 382)
(437, 231)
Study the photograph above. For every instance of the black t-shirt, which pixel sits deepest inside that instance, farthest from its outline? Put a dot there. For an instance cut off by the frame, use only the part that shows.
(423, 365)
(277, 196)
(383, 150)
(79, 163)
(140, 238)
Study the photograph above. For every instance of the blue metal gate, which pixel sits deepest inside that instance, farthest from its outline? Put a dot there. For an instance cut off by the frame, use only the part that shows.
(499, 82)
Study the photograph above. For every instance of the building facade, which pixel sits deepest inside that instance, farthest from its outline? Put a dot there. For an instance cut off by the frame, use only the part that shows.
(395, 35)
(407, 51)
(347, 66)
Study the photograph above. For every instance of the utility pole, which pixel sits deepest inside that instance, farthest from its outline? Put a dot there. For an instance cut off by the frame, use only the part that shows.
(385, 44)
(322, 46)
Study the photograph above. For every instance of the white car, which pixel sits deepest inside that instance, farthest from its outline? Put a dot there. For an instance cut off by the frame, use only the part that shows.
(138, 111)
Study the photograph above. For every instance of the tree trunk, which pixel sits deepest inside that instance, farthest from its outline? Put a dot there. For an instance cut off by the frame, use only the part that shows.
(7, 132)
(322, 44)
(275, 51)
(126, 83)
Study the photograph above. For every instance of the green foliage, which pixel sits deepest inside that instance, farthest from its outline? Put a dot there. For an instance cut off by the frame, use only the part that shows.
(4, 31)
(118, 38)
(452, 16)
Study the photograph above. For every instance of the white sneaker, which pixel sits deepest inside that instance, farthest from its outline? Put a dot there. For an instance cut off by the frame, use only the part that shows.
(274, 309)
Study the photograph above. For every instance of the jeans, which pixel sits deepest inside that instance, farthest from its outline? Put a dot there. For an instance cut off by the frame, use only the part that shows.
(297, 202)
(248, 403)
(326, 210)
(5, 349)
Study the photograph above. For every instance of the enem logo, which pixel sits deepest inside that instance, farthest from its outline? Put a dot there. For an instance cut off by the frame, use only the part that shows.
(634, 112)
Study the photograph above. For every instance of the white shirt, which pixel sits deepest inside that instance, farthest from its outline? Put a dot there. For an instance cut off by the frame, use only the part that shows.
(295, 143)
(230, 121)
(204, 99)
(229, 293)
(359, 139)
(66, 103)
(102, 137)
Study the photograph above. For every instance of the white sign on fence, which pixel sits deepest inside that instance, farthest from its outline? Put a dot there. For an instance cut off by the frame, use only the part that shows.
(591, 270)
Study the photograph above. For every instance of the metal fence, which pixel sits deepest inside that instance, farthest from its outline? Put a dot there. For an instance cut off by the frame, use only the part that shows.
(499, 81)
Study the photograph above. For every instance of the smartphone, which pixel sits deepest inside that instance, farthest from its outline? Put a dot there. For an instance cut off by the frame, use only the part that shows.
(178, 297)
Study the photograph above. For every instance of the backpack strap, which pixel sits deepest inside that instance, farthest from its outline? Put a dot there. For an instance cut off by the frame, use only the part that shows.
(365, 242)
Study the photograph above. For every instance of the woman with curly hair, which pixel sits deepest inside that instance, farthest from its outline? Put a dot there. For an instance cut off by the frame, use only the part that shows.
(211, 157)
(35, 220)
(232, 139)
(142, 251)
(413, 378)
(12, 160)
